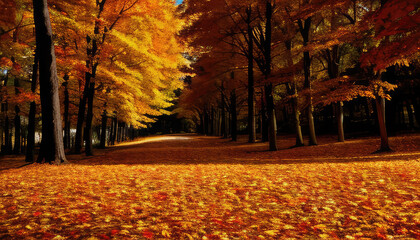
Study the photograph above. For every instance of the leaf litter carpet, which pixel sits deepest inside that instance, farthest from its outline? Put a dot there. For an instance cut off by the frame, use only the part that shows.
(195, 187)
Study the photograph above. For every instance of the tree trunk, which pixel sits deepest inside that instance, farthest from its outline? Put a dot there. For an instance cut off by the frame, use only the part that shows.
(211, 121)
(206, 123)
(272, 135)
(52, 148)
(304, 30)
(89, 118)
(66, 113)
(234, 124)
(78, 142)
(410, 115)
(380, 107)
(5, 108)
(340, 118)
(114, 132)
(103, 131)
(264, 120)
(7, 140)
(17, 145)
(298, 129)
(295, 107)
(251, 90)
(201, 126)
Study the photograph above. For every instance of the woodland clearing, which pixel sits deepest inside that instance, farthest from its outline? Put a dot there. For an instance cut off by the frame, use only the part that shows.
(196, 187)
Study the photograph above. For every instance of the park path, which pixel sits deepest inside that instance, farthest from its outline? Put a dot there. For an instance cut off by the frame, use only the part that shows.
(195, 149)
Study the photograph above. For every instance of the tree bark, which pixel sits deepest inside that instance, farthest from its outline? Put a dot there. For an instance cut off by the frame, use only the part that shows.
(264, 120)
(78, 142)
(304, 31)
(271, 117)
(114, 130)
(17, 145)
(340, 119)
(89, 118)
(294, 101)
(7, 141)
(206, 122)
(211, 121)
(103, 129)
(5, 108)
(410, 115)
(234, 124)
(52, 148)
(251, 90)
(66, 113)
(380, 106)
(268, 88)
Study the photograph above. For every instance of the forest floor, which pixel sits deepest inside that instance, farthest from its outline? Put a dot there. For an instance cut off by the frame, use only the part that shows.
(197, 187)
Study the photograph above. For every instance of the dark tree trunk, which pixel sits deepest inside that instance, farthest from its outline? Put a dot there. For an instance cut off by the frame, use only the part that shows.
(17, 145)
(225, 130)
(52, 148)
(410, 115)
(272, 133)
(114, 130)
(66, 113)
(333, 59)
(234, 124)
(89, 118)
(103, 131)
(251, 90)
(5, 108)
(212, 121)
(380, 108)
(206, 123)
(7, 139)
(30, 146)
(78, 142)
(272, 139)
(294, 101)
(201, 125)
(340, 119)
(304, 30)
(92, 51)
(264, 120)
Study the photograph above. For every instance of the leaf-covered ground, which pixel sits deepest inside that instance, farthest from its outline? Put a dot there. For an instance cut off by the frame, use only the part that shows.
(190, 187)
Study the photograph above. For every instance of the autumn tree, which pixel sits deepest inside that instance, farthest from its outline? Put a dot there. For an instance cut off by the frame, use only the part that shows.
(395, 28)
(52, 149)
(226, 28)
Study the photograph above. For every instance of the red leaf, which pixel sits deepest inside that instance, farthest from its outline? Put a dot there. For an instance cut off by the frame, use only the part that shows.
(114, 232)
(36, 214)
(147, 234)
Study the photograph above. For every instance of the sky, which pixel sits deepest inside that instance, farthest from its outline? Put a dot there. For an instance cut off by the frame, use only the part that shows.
(178, 2)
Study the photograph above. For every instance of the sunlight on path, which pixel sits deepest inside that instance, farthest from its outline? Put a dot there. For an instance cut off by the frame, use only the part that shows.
(155, 139)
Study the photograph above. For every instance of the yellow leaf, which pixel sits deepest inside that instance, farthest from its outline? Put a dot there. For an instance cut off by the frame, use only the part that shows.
(271, 232)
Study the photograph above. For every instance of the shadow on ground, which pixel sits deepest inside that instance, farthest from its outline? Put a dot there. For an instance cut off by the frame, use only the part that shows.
(195, 149)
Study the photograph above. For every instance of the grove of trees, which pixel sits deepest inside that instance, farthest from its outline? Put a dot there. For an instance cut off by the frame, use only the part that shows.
(282, 66)
(74, 69)
(82, 73)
